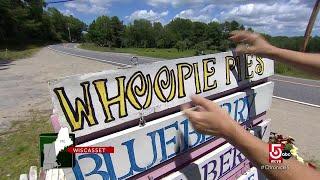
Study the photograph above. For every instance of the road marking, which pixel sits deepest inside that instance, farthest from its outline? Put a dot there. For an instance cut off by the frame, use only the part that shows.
(295, 78)
(294, 82)
(126, 65)
(299, 102)
(101, 60)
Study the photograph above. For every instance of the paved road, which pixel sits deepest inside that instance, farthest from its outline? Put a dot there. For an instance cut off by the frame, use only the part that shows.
(118, 59)
(287, 88)
(303, 90)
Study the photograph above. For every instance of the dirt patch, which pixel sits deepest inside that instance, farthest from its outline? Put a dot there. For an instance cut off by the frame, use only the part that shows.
(24, 83)
(299, 121)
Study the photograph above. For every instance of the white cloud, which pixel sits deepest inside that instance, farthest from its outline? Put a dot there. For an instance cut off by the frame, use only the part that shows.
(277, 18)
(202, 15)
(149, 15)
(208, 9)
(281, 17)
(67, 12)
(174, 3)
(97, 7)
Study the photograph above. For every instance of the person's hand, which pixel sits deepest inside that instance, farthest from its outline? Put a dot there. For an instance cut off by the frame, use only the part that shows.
(209, 118)
(251, 43)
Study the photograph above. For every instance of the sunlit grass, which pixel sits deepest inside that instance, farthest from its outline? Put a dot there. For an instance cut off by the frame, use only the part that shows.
(20, 145)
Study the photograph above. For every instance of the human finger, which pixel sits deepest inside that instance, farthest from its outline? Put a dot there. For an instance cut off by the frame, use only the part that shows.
(205, 103)
(245, 49)
(185, 106)
(244, 37)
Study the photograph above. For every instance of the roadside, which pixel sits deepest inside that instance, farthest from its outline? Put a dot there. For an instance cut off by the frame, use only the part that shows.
(20, 145)
(25, 112)
(300, 122)
(173, 53)
(13, 54)
(26, 105)
(24, 82)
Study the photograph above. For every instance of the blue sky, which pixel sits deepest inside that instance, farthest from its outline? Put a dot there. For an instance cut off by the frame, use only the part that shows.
(275, 17)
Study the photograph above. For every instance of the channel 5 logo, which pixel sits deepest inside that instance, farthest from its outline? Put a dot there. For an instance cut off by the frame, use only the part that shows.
(277, 153)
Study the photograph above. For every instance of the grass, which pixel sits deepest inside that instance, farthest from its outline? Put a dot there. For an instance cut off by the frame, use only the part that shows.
(288, 70)
(148, 52)
(19, 147)
(13, 51)
(280, 68)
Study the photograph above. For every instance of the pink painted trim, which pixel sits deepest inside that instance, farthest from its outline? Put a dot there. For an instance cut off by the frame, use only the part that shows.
(55, 123)
(238, 171)
(178, 162)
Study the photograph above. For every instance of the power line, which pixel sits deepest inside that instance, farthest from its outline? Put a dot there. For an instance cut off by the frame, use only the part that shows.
(55, 2)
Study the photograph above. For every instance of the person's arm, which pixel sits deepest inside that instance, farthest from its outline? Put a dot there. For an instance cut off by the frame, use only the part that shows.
(209, 118)
(256, 44)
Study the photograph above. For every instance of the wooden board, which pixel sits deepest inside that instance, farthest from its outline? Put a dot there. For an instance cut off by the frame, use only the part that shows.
(94, 102)
(140, 148)
(214, 165)
(263, 130)
(186, 158)
(252, 174)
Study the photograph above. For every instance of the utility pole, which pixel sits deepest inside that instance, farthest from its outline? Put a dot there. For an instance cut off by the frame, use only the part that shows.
(310, 25)
(69, 33)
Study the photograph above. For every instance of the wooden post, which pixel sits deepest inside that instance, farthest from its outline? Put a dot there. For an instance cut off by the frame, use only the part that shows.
(310, 25)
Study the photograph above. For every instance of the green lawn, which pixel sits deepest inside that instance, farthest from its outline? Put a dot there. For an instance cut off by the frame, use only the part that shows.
(13, 53)
(173, 53)
(148, 52)
(19, 146)
(288, 70)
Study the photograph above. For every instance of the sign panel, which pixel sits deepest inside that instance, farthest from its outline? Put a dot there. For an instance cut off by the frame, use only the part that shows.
(263, 130)
(140, 148)
(252, 174)
(94, 102)
(186, 158)
(214, 165)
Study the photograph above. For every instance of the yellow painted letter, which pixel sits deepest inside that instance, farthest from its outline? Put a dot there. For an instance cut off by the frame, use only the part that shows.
(182, 77)
(230, 66)
(83, 110)
(208, 72)
(106, 102)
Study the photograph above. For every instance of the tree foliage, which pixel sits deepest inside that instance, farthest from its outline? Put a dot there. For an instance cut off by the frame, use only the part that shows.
(25, 21)
(179, 33)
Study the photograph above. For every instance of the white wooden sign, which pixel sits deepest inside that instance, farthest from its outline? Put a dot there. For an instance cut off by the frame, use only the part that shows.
(214, 165)
(94, 102)
(263, 130)
(140, 148)
(252, 174)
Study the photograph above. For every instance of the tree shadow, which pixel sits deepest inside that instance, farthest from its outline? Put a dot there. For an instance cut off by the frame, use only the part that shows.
(4, 64)
(191, 171)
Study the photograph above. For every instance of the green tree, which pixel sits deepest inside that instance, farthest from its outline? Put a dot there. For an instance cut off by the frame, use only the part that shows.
(199, 32)
(143, 33)
(181, 45)
(100, 31)
(214, 34)
(117, 31)
(181, 28)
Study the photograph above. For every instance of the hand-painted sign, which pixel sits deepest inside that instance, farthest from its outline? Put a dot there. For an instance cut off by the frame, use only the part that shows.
(214, 165)
(186, 158)
(252, 174)
(262, 130)
(138, 149)
(93, 102)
